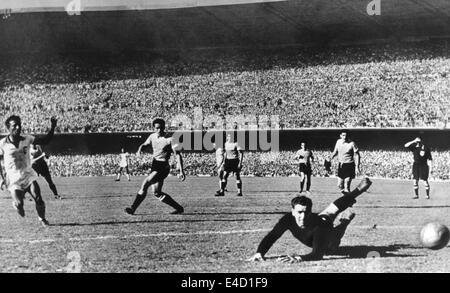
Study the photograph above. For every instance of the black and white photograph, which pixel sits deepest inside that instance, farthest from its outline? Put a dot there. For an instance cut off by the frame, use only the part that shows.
(251, 137)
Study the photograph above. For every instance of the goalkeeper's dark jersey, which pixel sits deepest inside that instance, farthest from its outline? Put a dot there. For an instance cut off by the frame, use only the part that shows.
(316, 234)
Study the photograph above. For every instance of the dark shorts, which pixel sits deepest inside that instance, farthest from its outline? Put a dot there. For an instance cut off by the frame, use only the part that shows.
(41, 168)
(124, 168)
(305, 168)
(162, 170)
(420, 171)
(346, 170)
(231, 165)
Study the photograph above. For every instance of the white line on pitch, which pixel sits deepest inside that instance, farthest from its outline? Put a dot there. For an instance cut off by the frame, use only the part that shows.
(178, 234)
(162, 234)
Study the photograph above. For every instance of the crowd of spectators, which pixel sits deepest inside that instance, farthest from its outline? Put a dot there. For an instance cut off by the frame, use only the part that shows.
(381, 164)
(405, 85)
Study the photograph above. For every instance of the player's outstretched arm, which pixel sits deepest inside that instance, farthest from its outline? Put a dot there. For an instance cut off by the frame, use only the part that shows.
(146, 143)
(46, 139)
(267, 242)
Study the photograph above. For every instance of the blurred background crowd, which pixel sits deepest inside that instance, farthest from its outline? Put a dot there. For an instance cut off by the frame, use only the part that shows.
(382, 164)
(404, 85)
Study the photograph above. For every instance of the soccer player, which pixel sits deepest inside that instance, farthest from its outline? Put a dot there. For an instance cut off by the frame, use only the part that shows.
(232, 163)
(220, 158)
(39, 165)
(304, 157)
(421, 166)
(349, 160)
(163, 147)
(123, 164)
(20, 177)
(312, 229)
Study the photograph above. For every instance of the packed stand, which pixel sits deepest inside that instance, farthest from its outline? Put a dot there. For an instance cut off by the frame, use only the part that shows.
(365, 86)
(380, 164)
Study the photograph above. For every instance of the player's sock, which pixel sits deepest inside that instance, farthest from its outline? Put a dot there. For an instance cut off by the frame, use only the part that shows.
(40, 209)
(308, 185)
(53, 189)
(239, 187)
(223, 185)
(347, 200)
(137, 201)
(168, 200)
(19, 208)
(302, 184)
(427, 189)
(416, 191)
(361, 188)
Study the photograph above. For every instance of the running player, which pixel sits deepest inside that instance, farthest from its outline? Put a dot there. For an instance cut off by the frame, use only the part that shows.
(39, 165)
(232, 163)
(421, 166)
(163, 147)
(304, 157)
(313, 230)
(349, 160)
(20, 177)
(123, 164)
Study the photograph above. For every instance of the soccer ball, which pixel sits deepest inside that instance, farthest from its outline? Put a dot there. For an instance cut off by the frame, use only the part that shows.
(434, 236)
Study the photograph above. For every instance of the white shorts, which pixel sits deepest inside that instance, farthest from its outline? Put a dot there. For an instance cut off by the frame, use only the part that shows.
(123, 165)
(20, 180)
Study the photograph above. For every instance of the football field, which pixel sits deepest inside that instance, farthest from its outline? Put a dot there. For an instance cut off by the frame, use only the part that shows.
(90, 232)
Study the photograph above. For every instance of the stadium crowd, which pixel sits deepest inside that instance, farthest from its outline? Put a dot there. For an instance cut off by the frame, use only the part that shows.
(378, 86)
(381, 164)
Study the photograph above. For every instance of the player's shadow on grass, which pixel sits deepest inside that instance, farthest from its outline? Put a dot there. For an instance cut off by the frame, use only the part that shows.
(234, 213)
(405, 207)
(367, 251)
(146, 221)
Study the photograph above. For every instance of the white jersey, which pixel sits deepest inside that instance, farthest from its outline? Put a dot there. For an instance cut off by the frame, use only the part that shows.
(162, 146)
(124, 159)
(17, 162)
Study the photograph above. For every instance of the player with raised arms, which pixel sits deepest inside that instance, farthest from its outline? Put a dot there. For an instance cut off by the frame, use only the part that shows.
(163, 147)
(20, 178)
(313, 230)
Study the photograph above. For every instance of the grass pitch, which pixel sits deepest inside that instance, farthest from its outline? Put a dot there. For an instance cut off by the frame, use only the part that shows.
(89, 231)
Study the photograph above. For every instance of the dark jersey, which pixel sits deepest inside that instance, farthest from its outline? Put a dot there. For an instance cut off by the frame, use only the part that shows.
(421, 154)
(315, 234)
